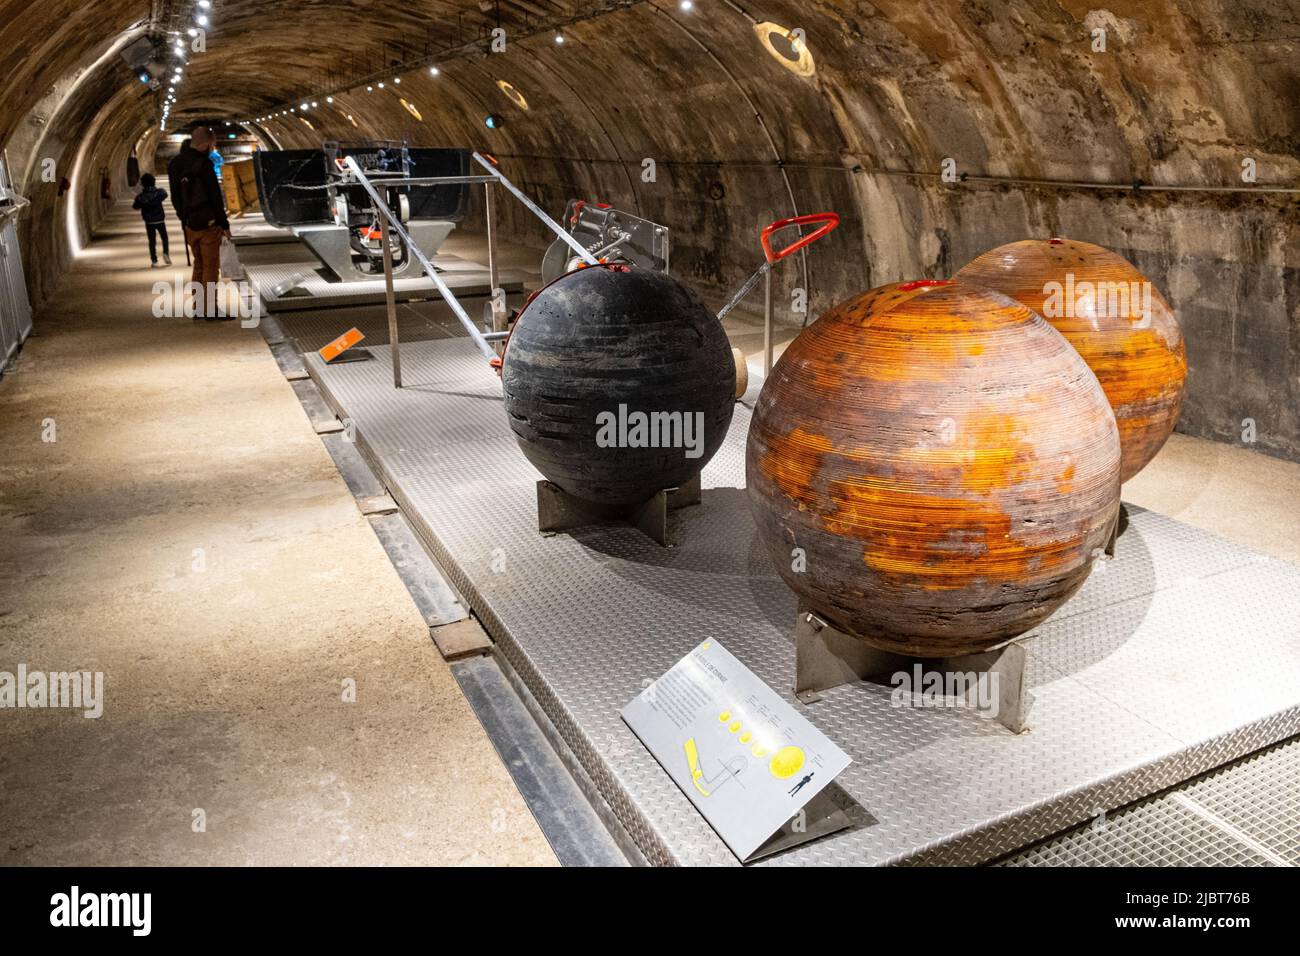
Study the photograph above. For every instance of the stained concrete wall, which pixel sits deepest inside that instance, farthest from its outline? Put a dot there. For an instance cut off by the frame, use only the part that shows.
(1184, 91)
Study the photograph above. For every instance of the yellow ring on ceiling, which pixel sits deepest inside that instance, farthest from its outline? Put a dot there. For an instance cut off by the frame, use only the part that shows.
(410, 108)
(515, 96)
(803, 66)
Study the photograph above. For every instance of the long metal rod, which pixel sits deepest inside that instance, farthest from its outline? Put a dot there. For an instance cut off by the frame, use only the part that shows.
(767, 324)
(498, 306)
(435, 180)
(744, 290)
(483, 345)
(1137, 187)
(536, 210)
(390, 300)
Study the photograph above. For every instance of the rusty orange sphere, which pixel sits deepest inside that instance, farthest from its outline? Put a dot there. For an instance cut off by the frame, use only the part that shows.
(1116, 319)
(932, 468)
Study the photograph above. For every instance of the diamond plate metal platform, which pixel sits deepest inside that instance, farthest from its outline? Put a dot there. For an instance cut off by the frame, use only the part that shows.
(254, 230)
(1181, 654)
(463, 277)
(312, 329)
(1244, 814)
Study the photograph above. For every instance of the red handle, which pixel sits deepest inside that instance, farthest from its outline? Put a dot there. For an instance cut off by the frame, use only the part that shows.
(829, 221)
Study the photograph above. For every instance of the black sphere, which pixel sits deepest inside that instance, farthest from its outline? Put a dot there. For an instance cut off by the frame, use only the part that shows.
(591, 351)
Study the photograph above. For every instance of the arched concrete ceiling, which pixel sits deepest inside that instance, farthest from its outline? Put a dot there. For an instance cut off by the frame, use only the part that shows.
(1184, 91)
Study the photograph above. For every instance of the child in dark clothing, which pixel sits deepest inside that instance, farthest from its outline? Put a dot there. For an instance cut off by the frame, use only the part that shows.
(150, 204)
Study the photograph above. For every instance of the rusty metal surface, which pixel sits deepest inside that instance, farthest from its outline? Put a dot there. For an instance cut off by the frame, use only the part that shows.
(1135, 688)
(932, 468)
(1114, 317)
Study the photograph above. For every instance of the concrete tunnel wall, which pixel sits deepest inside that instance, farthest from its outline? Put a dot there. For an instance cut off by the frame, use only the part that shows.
(1184, 92)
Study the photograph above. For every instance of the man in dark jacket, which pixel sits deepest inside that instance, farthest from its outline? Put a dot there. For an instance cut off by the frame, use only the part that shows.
(199, 203)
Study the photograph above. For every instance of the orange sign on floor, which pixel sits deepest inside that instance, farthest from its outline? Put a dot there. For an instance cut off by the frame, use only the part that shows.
(340, 345)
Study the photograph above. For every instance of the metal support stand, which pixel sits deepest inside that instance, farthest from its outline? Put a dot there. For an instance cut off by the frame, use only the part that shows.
(826, 657)
(498, 295)
(391, 300)
(767, 325)
(1121, 522)
(827, 221)
(558, 511)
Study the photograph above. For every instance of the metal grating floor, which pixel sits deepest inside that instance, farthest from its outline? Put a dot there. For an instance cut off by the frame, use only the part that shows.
(312, 329)
(254, 230)
(1180, 655)
(1244, 814)
(463, 277)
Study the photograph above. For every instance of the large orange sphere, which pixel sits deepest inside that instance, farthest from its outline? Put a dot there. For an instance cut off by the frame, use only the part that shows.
(932, 468)
(1116, 319)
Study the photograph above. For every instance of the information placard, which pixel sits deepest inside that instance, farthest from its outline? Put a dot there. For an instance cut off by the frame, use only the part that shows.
(743, 755)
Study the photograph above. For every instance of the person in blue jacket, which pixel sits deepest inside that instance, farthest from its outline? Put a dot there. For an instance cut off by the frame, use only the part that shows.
(150, 203)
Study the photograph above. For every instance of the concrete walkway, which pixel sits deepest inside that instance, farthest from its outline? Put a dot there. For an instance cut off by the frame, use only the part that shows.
(187, 535)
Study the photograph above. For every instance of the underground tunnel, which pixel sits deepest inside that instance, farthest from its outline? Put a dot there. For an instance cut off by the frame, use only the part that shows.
(670, 432)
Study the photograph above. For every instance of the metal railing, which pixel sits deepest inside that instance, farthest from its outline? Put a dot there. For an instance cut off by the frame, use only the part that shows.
(484, 340)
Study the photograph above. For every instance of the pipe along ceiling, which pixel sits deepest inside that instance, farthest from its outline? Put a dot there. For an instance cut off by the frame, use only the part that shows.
(936, 128)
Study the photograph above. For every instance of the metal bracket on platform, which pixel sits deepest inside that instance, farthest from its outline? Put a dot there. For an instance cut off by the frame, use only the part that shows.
(826, 657)
(1121, 524)
(557, 510)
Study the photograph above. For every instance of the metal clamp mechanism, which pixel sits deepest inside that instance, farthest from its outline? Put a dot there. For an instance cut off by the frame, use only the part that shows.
(609, 234)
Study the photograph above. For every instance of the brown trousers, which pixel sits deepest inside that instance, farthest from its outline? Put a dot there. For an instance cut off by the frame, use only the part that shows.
(205, 248)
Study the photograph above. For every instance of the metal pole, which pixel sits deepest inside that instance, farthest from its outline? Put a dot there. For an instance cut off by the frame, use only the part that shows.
(767, 324)
(391, 301)
(412, 249)
(536, 210)
(498, 296)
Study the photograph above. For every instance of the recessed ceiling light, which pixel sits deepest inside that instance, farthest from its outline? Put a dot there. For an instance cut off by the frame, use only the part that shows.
(433, 71)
